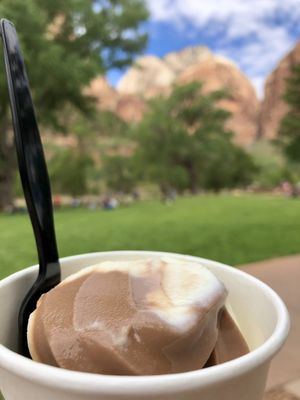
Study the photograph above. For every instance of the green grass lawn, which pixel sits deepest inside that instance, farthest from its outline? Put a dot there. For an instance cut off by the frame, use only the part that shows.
(233, 230)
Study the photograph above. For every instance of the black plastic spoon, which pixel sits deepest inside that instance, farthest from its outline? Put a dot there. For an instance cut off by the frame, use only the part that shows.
(34, 177)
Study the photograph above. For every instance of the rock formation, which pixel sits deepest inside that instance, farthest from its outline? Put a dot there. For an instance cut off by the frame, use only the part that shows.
(273, 107)
(105, 96)
(217, 73)
(146, 77)
(151, 76)
(130, 108)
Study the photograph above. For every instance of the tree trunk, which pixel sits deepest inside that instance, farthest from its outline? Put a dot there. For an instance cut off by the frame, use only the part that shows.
(193, 175)
(193, 178)
(194, 187)
(7, 164)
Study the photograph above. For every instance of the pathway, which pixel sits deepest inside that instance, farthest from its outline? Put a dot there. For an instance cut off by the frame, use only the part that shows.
(283, 275)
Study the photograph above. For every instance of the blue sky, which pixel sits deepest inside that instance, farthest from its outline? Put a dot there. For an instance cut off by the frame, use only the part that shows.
(255, 34)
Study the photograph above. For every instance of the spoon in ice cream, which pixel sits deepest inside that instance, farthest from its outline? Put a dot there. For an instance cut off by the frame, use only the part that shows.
(34, 177)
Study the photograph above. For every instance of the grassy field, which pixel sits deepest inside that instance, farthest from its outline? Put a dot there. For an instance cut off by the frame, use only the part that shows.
(233, 230)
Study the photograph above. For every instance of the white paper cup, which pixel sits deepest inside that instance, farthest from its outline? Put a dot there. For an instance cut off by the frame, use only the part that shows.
(260, 313)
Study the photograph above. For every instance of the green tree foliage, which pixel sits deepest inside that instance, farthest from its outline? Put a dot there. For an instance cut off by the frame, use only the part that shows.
(231, 168)
(119, 173)
(289, 131)
(66, 43)
(103, 128)
(68, 172)
(183, 143)
(104, 137)
(272, 167)
(95, 138)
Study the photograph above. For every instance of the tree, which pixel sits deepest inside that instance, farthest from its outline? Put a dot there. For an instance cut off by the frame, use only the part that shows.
(119, 173)
(183, 143)
(68, 172)
(98, 131)
(289, 130)
(272, 166)
(66, 43)
(231, 167)
(105, 138)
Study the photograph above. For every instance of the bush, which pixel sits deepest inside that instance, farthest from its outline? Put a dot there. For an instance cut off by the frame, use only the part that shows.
(273, 168)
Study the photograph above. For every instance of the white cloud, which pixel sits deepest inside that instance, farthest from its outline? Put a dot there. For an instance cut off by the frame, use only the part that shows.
(239, 12)
(250, 22)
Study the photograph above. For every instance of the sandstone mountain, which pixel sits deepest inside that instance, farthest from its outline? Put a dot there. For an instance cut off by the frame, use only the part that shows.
(151, 76)
(217, 73)
(273, 107)
(128, 107)
(105, 96)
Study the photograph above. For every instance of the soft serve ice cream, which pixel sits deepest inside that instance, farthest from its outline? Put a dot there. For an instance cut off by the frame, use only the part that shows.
(144, 317)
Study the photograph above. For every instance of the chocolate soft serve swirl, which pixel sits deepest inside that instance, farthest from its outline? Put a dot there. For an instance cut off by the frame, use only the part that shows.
(144, 317)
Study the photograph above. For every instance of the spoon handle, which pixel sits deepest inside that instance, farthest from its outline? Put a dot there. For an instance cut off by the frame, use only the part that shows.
(31, 160)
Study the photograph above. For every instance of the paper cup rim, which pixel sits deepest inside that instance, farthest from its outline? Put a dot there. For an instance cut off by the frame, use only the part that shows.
(85, 382)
